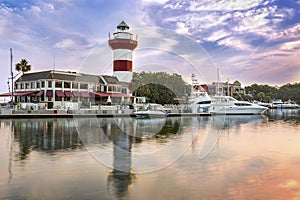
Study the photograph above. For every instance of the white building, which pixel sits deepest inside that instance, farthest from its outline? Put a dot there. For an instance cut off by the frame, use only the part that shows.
(55, 88)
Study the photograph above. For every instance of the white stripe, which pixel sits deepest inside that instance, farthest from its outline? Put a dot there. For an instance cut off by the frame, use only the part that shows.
(122, 54)
(123, 76)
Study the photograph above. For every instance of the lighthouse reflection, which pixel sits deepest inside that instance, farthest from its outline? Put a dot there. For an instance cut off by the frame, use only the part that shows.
(118, 135)
(121, 177)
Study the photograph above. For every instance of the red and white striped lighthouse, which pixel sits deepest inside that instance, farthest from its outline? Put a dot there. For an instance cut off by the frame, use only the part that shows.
(122, 45)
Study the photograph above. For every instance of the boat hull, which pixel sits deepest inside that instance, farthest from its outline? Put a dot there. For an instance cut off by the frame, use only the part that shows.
(150, 114)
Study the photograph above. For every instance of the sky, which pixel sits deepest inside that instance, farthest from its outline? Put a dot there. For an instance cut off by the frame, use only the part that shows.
(253, 41)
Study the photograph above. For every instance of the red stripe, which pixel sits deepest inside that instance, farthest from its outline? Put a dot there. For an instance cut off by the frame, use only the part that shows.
(122, 65)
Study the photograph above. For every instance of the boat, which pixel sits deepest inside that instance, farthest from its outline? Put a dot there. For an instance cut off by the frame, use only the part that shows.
(150, 114)
(151, 111)
(228, 105)
(199, 99)
(278, 103)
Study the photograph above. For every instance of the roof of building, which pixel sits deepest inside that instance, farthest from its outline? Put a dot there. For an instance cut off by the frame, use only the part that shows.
(67, 75)
(110, 79)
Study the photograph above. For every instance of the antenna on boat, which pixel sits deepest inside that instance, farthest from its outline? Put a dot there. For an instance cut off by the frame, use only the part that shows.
(53, 60)
(218, 82)
(12, 78)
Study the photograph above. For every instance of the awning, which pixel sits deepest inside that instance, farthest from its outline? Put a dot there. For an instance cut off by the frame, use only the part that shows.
(40, 93)
(59, 93)
(85, 94)
(49, 93)
(68, 94)
(100, 94)
(8, 94)
(20, 94)
(76, 94)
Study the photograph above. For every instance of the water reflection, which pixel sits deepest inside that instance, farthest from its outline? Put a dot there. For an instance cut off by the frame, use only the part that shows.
(45, 135)
(127, 145)
(52, 135)
(287, 115)
(121, 177)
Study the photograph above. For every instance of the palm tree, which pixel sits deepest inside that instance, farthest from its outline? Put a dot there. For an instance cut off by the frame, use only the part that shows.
(23, 66)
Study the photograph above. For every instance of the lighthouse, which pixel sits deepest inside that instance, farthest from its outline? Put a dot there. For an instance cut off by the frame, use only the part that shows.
(122, 45)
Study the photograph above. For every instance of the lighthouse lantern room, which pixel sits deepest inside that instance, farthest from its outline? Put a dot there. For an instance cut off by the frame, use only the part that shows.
(122, 45)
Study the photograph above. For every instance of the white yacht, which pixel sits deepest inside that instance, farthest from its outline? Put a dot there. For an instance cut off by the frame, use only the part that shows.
(151, 111)
(284, 105)
(199, 100)
(228, 105)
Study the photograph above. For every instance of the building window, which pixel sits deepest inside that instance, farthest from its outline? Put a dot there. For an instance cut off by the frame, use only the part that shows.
(67, 85)
(38, 85)
(32, 85)
(124, 90)
(22, 86)
(49, 84)
(74, 99)
(58, 98)
(83, 86)
(74, 85)
(49, 98)
(112, 88)
(22, 99)
(27, 85)
(43, 84)
(58, 84)
(67, 98)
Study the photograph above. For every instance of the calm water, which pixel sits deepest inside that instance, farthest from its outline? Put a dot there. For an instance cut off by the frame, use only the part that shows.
(232, 157)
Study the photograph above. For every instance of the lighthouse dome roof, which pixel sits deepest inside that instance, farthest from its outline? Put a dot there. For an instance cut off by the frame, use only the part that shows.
(123, 26)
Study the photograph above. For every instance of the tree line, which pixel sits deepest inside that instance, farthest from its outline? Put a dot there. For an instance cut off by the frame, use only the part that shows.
(266, 93)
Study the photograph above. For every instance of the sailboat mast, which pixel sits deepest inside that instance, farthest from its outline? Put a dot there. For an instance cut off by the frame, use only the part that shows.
(12, 78)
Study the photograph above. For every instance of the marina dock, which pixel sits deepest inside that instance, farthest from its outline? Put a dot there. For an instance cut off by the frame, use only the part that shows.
(59, 115)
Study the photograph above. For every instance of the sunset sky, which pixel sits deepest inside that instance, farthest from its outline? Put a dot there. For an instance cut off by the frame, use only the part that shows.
(253, 41)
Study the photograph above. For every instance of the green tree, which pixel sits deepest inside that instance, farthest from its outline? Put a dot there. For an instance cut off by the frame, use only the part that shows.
(23, 66)
(286, 92)
(261, 96)
(159, 87)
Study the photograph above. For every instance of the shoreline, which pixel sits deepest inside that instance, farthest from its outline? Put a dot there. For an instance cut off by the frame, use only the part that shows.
(20, 116)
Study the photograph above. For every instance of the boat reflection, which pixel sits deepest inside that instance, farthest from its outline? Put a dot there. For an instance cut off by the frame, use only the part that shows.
(231, 121)
(221, 124)
(287, 115)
